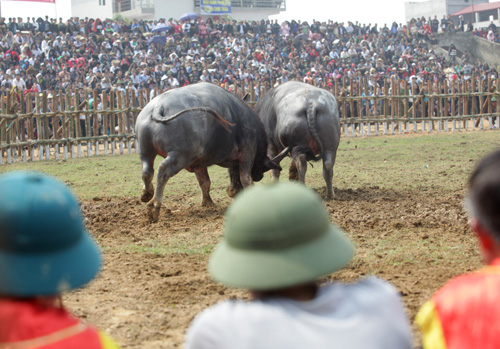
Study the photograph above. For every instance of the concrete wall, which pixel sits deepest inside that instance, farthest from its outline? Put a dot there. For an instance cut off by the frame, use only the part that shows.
(92, 8)
(427, 9)
(138, 13)
(173, 8)
(485, 24)
(253, 14)
(477, 47)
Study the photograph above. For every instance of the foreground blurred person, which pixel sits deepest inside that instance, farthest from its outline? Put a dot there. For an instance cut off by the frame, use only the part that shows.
(44, 251)
(277, 242)
(465, 312)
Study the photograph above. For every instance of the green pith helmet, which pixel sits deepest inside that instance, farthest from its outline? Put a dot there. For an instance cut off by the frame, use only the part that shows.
(276, 236)
(44, 247)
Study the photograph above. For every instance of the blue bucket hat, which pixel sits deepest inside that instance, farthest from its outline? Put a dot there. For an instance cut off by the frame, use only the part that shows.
(44, 247)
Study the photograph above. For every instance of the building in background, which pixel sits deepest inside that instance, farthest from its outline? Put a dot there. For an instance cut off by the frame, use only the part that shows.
(92, 8)
(140, 9)
(156, 9)
(431, 8)
(480, 15)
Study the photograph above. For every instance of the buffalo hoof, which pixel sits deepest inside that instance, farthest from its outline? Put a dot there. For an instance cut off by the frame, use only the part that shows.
(207, 203)
(231, 192)
(153, 212)
(328, 196)
(153, 215)
(147, 195)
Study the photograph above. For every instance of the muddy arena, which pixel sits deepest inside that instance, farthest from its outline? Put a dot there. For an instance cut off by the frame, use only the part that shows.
(154, 280)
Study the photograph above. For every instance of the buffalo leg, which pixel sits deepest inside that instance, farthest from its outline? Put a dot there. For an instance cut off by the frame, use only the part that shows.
(328, 162)
(293, 174)
(147, 177)
(272, 152)
(301, 164)
(169, 167)
(235, 187)
(204, 182)
(245, 173)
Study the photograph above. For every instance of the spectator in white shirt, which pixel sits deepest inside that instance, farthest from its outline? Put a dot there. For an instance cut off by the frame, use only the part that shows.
(19, 82)
(277, 243)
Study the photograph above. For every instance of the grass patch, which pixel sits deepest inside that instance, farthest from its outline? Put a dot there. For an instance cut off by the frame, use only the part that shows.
(157, 248)
(409, 162)
(388, 162)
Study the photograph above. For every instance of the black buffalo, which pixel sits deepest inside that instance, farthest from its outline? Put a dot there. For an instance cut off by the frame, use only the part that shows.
(305, 120)
(194, 127)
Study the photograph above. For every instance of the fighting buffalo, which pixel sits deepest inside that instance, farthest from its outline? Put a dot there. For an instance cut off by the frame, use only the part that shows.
(194, 127)
(303, 119)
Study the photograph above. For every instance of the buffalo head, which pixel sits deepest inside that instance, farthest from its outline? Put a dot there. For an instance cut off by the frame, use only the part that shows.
(259, 168)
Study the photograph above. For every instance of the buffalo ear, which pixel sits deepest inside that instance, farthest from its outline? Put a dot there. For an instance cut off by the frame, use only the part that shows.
(271, 165)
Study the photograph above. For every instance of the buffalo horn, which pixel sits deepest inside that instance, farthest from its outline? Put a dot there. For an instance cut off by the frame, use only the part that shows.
(277, 159)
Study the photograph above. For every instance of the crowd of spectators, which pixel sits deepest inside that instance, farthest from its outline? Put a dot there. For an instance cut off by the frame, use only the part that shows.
(46, 54)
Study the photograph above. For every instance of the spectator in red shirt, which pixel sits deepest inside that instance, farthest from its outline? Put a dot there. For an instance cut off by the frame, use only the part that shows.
(465, 312)
(45, 251)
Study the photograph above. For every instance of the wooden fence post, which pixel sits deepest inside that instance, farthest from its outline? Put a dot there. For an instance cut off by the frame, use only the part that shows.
(105, 121)
(54, 108)
(121, 126)
(112, 101)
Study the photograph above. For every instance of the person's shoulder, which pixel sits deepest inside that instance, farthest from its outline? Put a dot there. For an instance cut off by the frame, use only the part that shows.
(463, 294)
(212, 322)
(371, 289)
(226, 312)
(477, 279)
(107, 342)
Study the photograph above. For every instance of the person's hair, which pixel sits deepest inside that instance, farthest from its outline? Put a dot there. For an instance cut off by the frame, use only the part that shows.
(483, 198)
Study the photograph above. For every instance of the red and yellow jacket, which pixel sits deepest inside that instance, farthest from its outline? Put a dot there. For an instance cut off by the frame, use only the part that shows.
(464, 313)
(27, 324)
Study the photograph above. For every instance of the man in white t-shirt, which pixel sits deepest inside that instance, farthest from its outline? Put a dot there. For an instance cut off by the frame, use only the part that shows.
(186, 26)
(19, 82)
(172, 81)
(277, 243)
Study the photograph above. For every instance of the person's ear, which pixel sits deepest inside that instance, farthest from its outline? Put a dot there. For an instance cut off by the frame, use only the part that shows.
(487, 243)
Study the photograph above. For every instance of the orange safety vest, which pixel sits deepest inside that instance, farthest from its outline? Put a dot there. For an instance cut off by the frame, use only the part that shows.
(464, 313)
(26, 324)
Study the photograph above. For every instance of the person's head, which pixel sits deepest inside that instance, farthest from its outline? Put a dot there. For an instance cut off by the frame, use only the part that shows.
(44, 247)
(483, 205)
(278, 236)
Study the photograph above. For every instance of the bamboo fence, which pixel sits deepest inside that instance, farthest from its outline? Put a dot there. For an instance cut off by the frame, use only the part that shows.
(64, 124)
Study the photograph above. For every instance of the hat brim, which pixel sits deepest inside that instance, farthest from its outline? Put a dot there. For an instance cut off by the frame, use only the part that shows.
(261, 270)
(51, 273)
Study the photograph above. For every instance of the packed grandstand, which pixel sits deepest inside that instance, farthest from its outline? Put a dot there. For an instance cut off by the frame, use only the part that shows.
(46, 54)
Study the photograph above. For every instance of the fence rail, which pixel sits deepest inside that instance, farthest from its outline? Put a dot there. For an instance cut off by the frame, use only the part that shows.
(64, 124)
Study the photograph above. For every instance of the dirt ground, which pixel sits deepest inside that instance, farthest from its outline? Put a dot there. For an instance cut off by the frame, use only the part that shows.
(154, 281)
